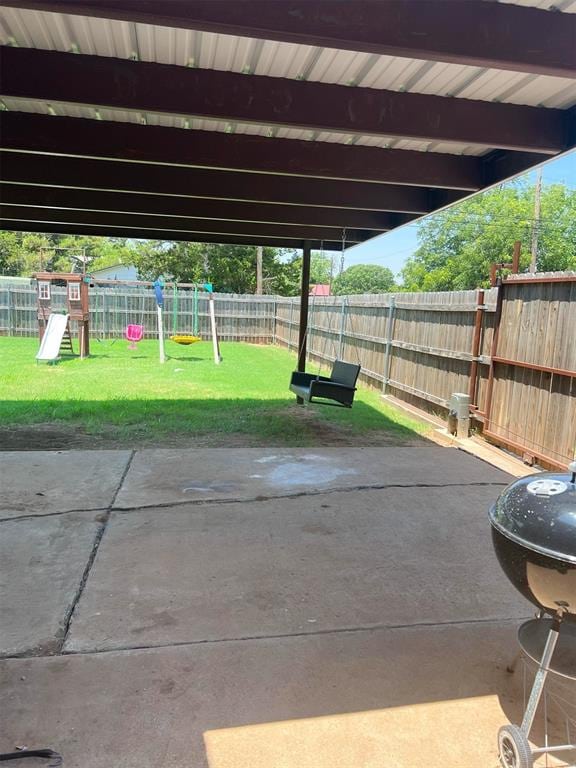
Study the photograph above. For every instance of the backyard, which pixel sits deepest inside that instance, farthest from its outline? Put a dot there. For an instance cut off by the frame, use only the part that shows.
(120, 398)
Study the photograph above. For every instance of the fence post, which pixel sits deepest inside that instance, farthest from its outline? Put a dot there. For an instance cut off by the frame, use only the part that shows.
(478, 320)
(275, 305)
(388, 352)
(290, 324)
(10, 314)
(342, 327)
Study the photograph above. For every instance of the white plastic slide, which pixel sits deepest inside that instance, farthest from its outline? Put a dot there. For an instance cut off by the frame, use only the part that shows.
(53, 335)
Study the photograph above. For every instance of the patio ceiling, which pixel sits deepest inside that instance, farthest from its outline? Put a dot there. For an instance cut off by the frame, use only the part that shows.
(273, 122)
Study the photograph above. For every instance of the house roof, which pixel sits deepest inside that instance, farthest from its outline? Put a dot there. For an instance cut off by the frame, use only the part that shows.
(273, 122)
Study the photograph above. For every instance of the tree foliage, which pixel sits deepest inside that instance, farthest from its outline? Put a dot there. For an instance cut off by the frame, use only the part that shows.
(364, 278)
(230, 268)
(22, 253)
(457, 246)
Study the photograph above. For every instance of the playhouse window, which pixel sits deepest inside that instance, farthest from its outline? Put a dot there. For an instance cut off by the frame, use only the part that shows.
(44, 290)
(74, 291)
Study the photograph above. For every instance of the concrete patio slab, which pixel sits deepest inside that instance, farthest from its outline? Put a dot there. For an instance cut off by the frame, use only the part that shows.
(43, 482)
(293, 565)
(410, 698)
(164, 476)
(42, 561)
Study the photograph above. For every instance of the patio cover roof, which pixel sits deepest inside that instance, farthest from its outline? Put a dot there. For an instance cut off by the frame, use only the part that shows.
(273, 122)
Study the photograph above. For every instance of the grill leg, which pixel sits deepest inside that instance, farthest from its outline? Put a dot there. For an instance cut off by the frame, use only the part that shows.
(540, 679)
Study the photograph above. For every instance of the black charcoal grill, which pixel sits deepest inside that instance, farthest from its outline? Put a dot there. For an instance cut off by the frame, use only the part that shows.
(534, 535)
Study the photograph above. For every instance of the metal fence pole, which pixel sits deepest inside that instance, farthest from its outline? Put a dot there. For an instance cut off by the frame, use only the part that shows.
(11, 328)
(388, 353)
(342, 327)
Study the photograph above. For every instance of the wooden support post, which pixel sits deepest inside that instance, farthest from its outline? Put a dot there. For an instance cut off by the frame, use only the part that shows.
(304, 300)
(388, 353)
(259, 252)
(476, 347)
(84, 338)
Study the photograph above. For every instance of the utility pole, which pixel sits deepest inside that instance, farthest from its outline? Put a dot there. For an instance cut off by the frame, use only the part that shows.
(536, 222)
(259, 251)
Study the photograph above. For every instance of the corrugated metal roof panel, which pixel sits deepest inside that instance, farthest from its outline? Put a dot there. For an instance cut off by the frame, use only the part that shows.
(182, 47)
(196, 123)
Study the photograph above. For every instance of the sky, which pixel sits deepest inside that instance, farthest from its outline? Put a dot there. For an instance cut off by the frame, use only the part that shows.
(393, 248)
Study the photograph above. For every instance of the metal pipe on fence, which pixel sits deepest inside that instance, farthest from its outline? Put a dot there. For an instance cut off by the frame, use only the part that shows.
(10, 313)
(290, 324)
(389, 345)
(342, 327)
(478, 320)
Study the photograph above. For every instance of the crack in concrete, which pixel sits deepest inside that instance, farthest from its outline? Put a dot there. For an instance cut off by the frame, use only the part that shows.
(96, 545)
(250, 499)
(286, 635)
(300, 494)
(40, 515)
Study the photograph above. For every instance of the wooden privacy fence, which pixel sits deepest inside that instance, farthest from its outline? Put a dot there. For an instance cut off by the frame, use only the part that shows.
(425, 346)
(410, 344)
(530, 402)
(513, 349)
(240, 318)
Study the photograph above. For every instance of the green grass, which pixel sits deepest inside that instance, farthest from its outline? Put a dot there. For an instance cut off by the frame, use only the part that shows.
(131, 398)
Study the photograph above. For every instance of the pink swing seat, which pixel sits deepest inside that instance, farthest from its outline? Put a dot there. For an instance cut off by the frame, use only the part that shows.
(134, 334)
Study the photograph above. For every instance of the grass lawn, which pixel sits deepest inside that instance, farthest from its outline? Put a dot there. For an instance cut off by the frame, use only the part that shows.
(122, 398)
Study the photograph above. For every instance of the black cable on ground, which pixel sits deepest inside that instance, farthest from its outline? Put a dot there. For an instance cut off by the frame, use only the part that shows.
(47, 754)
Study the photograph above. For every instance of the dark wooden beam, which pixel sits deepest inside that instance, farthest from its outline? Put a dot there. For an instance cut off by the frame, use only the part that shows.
(163, 88)
(304, 301)
(25, 168)
(475, 33)
(100, 200)
(210, 149)
(139, 221)
(153, 234)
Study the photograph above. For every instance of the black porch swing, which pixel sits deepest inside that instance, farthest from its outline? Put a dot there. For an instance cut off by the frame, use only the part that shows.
(339, 388)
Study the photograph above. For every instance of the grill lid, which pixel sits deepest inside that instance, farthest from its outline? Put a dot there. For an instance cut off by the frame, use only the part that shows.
(539, 512)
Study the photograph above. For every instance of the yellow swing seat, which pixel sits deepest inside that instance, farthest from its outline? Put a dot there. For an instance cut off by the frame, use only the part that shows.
(182, 338)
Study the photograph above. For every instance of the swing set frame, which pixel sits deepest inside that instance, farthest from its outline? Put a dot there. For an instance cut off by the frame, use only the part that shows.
(207, 287)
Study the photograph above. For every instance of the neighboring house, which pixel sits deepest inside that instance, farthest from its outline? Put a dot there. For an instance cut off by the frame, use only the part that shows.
(320, 290)
(117, 272)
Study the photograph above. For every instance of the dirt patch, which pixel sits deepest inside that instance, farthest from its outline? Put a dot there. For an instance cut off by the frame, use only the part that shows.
(315, 432)
(48, 437)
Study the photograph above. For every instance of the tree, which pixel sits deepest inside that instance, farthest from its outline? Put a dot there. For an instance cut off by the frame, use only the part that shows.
(320, 268)
(11, 258)
(457, 246)
(230, 268)
(364, 278)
